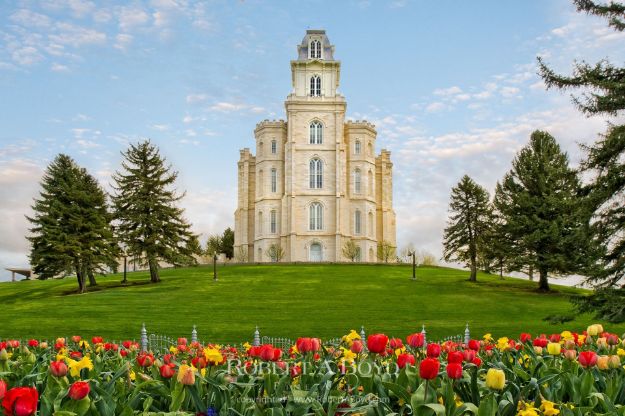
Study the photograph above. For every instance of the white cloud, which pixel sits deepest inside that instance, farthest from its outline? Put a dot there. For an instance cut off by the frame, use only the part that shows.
(196, 98)
(56, 67)
(78, 8)
(448, 91)
(160, 127)
(29, 18)
(122, 41)
(435, 107)
(76, 36)
(509, 91)
(132, 17)
(27, 55)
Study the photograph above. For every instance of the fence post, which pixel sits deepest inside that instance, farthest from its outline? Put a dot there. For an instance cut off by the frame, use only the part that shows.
(467, 334)
(144, 339)
(194, 335)
(256, 341)
(424, 335)
(362, 333)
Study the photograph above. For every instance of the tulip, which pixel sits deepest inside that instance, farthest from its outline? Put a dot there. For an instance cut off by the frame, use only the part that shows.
(540, 341)
(612, 339)
(468, 355)
(60, 341)
(33, 343)
(4, 355)
(396, 343)
(186, 375)
(295, 371)
(587, 359)
(145, 360)
(538, 350)
(182, 341)
(555, 337)
(167, 370)
(405, 359)
(199, 362)
(477, 362)
(357, 346)
(525, 337)
(594, 330)
(377, 343)
(96, 340)
(614, 361)
(77, 355)
(454, 370)
(569, 344)
(433, 350)
(43, 345)
(123, 353)
(554, 348)
(76, 338)
(602, 343)
(455, 357)
(416, 340)
(305, 345)
(428, 369)
(79, 390)
(603, 362)
(3, 388)
(20, 401)
(58, 368)
(495, 379)
(474, 345)
(570, 355)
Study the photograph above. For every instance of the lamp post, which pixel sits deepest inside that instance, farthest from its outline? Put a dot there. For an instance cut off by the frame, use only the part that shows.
(215, 267)
(414, 265)
(125, 255)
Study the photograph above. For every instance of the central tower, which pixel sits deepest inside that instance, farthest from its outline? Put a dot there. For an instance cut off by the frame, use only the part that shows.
(315, 183)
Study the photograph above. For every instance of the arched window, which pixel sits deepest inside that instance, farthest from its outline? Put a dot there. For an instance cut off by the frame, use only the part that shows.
(315, 213)
(274, 147)
(316, 174)
(315, 86)
(357, 181)
(370, 229)
(358, 257)
(371, 255)
(274, 180)
(316, 132)
(261, 180)
(316, 252)
(274, 221)
(357, 222)
(260, 254)
(357, 147)
(369, 149)
(260, 223)
(370, 183)
(315, 49)
(260, 148)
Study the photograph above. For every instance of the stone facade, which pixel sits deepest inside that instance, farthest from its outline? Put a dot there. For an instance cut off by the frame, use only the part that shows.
(315, 182)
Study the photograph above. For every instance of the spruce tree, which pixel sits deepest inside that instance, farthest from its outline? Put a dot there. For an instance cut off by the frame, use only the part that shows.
(540, 204)
(148, 221)
(227, 243)
(604, 86)
(71, 229)
(467, 224)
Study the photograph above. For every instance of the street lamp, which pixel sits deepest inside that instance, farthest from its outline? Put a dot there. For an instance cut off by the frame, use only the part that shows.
(414, 264)
(125, 255)
(215, 267)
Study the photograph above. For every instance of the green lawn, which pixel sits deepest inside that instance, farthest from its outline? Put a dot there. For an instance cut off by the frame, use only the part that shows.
(291, 301)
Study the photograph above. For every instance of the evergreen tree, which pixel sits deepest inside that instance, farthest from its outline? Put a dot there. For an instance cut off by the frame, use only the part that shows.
(227, 243)
(605, 86)
(468, 221)
(71, 224)
(213, 245)
(149, 223)
(540, 205)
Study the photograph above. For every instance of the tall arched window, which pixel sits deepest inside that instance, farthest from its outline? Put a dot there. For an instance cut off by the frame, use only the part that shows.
(260, 223)
(358, 257)
(357, 146)
(370, 183)
(357, 222)
(315, 213)
(260, 148)
(274, 221)
(315, 49)
(261, 180)
(315, 86)
(316, 132)
(370, 225)
(357, 181)
(274, 147)
(274, 180)
(316, 174)
(370, 149)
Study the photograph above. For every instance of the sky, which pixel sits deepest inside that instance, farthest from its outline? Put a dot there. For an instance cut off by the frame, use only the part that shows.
(452, 88)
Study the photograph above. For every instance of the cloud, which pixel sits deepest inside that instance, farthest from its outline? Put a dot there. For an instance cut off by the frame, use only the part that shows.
(435, 107)
(122, 41)
(27, 55)
(29, 18)
(160, 127)
(509, 91)
(76, 36)
(132, 17)
(78, 8)
(229, 107)
(448, 91)
(196, 98)
(56, 67)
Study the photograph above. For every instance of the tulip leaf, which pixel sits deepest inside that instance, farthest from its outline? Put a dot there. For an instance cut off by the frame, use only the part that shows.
(428, 409)
(466, 408)
(488, 406)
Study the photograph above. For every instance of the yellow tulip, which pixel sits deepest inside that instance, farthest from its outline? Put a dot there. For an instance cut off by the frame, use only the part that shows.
(554, 348)
(594, 330)
(603, 362)
(538, 350)
(186, 375)
(602, 343)
(495, 379)
(614, 361)
(548, 408)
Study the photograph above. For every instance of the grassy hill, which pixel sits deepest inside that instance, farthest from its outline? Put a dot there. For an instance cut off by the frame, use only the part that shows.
(300, 300)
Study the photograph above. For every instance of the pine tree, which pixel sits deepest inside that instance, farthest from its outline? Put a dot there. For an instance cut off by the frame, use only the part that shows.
(149, 223)
(468, 221)
(227, 243)
(605, 86)
(538, 199)
(71, 224)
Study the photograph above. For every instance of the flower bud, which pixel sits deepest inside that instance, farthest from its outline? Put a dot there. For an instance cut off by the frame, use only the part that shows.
(79, 390)
(495, 379)
(538, 350)
(186, 375)
(58, 368)
(570, 355)
(602, 362)
(614, 361)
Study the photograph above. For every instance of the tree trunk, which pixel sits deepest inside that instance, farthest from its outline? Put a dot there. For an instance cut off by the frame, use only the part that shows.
(543, 284)
(501, 269)
(530, 273)
(92, 281)
(81, 288)
(154, 278)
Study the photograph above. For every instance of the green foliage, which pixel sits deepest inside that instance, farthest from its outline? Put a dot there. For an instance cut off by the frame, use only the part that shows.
(71, 228)
(149, 223)
(386, 251)
(468, 221)
(606, 303)
(539, 203)
(351, 250)
(227, 243)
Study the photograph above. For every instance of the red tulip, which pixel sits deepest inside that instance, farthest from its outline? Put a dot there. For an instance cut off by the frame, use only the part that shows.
(357, 346)
(612, 339)
(13, 343)
(145, 360)
(396, 343)
(33, 343)
(454, 370)
(468, 355)
(267, 352)
(127, 344)
(77, 355)
(199, 362)
(554, 337)
(182, 341)
(123, 353)
(416, 340)
(405, 359)
(477, 361)
(433, 350)
(474, 345)
(58, 368)
(96, 340)
(587, 359)
(454, 357)
(377, 343)
(525, 337)
(295, 371)
(254, 351)
(79, 390)
(541, 341)
(20, 401)
(3, 388)
(168, 370)
(428, 369)
(76, 338)
(305, 345)
(167, 358)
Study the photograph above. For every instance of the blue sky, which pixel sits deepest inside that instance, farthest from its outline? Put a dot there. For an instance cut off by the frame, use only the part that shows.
(451, 87)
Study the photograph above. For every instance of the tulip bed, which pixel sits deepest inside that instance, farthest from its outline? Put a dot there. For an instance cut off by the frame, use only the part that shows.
(559, 374)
